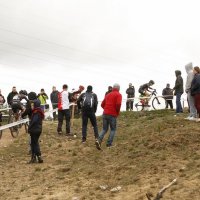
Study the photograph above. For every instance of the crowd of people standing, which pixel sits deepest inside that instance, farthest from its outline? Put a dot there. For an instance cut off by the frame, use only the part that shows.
(87, 103)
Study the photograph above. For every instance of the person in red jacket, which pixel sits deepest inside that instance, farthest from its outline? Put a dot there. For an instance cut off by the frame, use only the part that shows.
(111, 105)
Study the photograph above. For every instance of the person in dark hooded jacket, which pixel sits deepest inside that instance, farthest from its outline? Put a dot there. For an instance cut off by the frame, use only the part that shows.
(54, 100)
(35, 130)
(88, 103)
(178, 91)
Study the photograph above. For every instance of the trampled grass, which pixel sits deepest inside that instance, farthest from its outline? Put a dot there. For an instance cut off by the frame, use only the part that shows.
(150, 150)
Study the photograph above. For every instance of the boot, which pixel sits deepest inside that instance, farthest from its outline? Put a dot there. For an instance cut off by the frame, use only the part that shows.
(33, 159)
(40, 160)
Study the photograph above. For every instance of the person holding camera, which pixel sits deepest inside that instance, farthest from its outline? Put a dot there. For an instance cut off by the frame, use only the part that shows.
(42, 96)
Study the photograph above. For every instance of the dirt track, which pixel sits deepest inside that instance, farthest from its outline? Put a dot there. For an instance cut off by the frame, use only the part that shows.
(151, 149)
(6, 139)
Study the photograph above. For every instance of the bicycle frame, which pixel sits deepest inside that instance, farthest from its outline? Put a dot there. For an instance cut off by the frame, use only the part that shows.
(156, 101)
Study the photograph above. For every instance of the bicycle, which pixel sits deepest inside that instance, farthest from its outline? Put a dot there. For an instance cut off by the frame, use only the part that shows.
(14, 117)
(157, 102)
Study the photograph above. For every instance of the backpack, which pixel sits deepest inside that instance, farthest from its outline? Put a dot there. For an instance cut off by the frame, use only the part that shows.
(88, 101)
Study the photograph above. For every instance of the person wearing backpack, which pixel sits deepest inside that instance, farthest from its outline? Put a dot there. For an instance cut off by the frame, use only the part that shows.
(88, 102)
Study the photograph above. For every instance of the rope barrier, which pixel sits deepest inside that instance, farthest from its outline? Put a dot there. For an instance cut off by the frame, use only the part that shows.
(4, 109)
(149, 97)
(14, 124)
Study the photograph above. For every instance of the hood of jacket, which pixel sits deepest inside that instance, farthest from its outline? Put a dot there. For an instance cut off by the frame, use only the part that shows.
(177, 72)
(188, 67)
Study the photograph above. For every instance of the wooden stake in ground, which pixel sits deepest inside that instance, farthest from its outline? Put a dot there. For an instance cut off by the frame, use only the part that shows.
(72, 118)
(160, 193)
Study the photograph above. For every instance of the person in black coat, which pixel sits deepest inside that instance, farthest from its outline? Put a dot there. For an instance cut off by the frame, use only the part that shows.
(35, 130)
(168, 95)
(54, 100)
(130, 94)
(88, 103)
(11, 95)
(178, 91)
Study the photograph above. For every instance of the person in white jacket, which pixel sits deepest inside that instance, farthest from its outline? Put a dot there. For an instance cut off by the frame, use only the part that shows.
(190, 76)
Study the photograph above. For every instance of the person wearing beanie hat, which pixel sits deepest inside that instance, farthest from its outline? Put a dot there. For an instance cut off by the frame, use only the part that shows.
(111, 106)
(89, 88)
(168, 95)
(35, 130)
(88, 102)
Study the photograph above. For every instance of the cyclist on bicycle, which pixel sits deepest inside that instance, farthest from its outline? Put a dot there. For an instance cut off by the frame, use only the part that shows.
(144, 91)
(16, 103)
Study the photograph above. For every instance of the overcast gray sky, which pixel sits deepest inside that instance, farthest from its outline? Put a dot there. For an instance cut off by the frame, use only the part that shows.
(98, 42)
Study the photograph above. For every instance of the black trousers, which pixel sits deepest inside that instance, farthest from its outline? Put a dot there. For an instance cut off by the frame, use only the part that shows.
(35, 147)
(169, 103)
(61, 115)
(129, 105)
(85, 116)
(54, 106)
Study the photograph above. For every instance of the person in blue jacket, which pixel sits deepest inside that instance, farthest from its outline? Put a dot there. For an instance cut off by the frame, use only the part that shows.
(35, 130)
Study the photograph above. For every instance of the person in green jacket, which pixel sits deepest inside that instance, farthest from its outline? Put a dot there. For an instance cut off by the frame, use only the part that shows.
(42, 96)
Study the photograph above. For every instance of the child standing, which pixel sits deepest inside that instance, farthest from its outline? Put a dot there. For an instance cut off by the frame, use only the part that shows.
(35, 130)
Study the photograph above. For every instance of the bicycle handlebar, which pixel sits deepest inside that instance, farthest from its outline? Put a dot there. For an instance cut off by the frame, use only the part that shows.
(154, 92)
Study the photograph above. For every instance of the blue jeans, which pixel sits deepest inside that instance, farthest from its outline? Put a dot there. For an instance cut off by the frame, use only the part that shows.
(179, 108)
(35, 147)
(111, 121)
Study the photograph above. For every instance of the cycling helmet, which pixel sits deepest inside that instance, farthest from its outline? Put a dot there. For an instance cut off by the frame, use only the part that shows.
(151, 82)
(24, 92)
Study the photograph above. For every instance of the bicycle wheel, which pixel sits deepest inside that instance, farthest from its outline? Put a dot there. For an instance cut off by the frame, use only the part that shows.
(159, 103)
(13, 130)
(139, 106)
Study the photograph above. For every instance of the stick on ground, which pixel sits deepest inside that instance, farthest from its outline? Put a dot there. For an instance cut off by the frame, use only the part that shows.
(160, 193)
